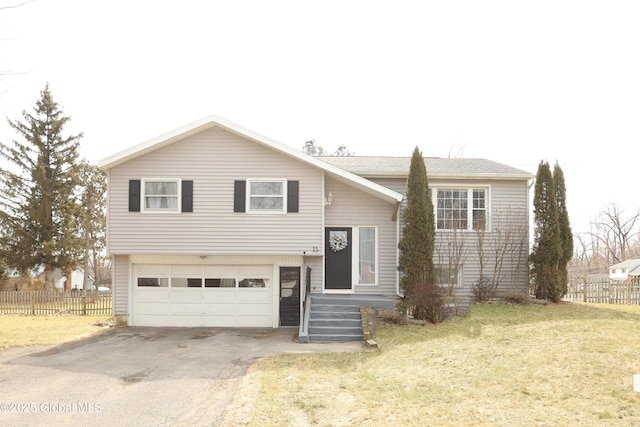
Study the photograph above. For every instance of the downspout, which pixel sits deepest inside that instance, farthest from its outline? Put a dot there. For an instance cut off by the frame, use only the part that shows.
(530, 184)
(398, 250)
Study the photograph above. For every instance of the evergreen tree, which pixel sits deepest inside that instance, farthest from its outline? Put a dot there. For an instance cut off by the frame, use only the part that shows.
(37, 199)
(418, 232)
(566, 236)
(92, 217)
(547, 246)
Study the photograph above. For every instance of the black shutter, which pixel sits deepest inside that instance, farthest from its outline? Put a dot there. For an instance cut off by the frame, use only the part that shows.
(239, 196)
(292, 196)
(187, 196)
(134, 195)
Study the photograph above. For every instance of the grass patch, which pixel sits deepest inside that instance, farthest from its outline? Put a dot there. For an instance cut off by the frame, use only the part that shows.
(18, 331)
(564, 364)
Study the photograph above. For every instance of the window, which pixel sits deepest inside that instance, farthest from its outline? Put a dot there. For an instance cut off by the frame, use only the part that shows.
(266, 195)
(254, 283)
(367, 255)
(186, 282)
(161, 282)
(161, 195)
(219, 283)
(461, 208)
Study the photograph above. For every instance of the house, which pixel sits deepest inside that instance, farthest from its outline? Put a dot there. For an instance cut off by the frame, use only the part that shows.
(215, 225)
(73, 280)
(625, 270)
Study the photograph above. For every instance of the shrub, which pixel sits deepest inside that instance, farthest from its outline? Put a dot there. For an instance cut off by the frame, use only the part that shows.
(519, 298)
(483, 290)
(424, 302)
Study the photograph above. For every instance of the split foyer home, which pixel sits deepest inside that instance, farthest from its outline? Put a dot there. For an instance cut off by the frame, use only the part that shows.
(215, 225)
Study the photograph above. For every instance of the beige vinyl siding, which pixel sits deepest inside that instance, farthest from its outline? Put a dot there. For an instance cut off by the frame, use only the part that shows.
(120, 287)
(213, 159)
(509, 215)
(355, 208)
(316, 263)
(509, 210)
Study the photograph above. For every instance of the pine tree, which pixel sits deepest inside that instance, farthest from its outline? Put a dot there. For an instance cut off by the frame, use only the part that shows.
(547, 246)
(92, 218)
(418, 233)
(566, 236)
(37, 200)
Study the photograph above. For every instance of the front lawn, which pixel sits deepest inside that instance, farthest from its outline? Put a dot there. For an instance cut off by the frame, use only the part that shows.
(554, 365)
(18, 331)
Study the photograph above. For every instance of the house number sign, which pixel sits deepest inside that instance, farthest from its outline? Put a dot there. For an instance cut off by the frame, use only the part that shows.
(338, 240)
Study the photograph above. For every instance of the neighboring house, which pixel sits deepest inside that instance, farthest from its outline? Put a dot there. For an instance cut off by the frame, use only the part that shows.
(215, 225)
(73, 280)
(625, 270)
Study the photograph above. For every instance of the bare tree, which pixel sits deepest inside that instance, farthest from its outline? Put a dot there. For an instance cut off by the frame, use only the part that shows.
(343, 151)
(516, 227)
(613, 236)
(317, 150)
(502, 253)
(450, 253)
(616, 230)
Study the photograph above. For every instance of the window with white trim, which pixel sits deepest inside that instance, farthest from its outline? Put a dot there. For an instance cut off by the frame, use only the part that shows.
(267, 195)
(367, 255)
(460, 208)
(161, 195)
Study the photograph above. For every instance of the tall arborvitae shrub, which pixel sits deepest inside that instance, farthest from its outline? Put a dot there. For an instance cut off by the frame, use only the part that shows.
(416, 245)
(547, 245)
(566, 236)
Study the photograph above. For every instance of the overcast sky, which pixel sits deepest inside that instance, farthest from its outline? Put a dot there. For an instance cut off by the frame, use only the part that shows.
(512, 81)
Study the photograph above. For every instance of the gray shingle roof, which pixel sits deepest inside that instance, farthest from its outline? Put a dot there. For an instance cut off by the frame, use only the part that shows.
(632, 265)
(436, 167)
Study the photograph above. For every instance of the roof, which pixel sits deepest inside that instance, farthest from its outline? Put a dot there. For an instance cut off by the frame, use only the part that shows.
(215, 121)
(458, 168)
(631, 265)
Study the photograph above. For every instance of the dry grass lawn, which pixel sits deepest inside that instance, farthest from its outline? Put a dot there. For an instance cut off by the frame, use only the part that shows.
(503, 365)
(18, 331)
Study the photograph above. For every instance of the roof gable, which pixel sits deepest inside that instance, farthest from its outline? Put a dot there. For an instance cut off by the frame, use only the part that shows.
(631, 265)
(215, 121)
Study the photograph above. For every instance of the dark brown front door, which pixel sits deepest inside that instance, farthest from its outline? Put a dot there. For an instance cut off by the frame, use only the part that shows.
(289, 296)
(338, 258)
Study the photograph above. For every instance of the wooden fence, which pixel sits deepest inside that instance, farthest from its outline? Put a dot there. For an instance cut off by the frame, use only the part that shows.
(48, 303)
(605, 292)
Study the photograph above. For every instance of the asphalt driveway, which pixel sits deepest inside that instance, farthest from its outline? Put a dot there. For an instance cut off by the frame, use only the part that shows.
(138, 376)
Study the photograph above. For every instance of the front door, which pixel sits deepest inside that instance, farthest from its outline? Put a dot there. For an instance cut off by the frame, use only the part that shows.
(289, 296)
(338, 259)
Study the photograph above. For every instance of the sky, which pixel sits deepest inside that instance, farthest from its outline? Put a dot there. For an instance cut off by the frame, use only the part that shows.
(517, 82)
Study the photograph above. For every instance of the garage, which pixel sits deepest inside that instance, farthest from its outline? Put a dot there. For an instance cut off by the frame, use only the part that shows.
(202, 295)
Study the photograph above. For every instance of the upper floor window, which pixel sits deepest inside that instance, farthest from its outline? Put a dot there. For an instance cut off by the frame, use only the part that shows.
(460, 208)
(161, 195)
(267, 195)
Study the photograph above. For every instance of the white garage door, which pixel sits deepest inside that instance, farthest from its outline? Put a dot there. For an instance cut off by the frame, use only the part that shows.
(196, 295)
